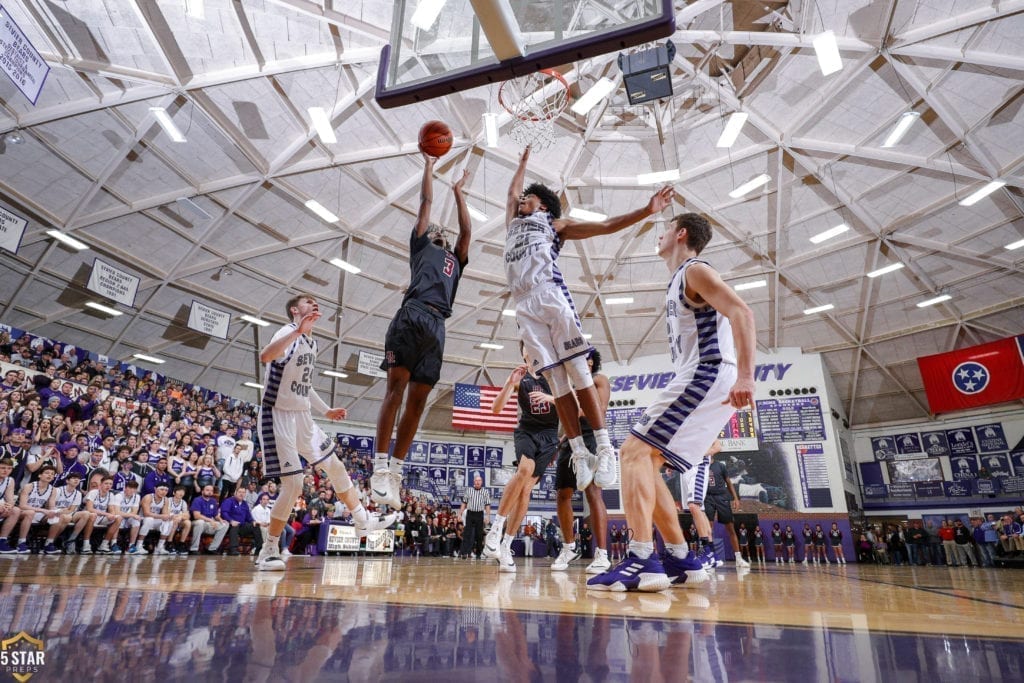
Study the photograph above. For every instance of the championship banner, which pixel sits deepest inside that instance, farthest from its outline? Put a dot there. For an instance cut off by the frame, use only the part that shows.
(369, 363)
(12, 229)
(112, 283)
(976, 376)
(208, 320)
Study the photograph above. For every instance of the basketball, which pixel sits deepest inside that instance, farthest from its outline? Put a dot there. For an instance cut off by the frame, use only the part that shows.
(435, 138)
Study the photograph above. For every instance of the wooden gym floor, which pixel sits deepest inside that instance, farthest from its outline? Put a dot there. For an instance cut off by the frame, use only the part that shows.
(344, 618)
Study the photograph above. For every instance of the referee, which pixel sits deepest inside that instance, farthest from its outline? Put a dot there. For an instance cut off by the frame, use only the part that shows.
(475, 512)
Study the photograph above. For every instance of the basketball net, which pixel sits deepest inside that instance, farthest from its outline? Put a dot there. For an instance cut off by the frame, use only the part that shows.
(534, 101)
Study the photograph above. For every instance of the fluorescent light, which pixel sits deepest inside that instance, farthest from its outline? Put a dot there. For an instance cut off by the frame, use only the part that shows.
(902, 126)
(346, 266)
(830, 233)
(509, 312)
(827, 50)
(885, 269)
(149, 359)
(103, 309)
(584, 215)
(732, 129)
(254, 320)
(489, 345)
(658, 177)
(476, 213)
(1014, 245)
(195, 9)
(426, 13)
(750, 186)
(164, 119)
(322, 124)
(818, 309)
(587, 335)
(597, 92)
(254, 385)
(985, 191)
(618, 300)
(318, 208)
(334, 373)
(937, 300)
(491, 129)
(67, 239)
(754, 284)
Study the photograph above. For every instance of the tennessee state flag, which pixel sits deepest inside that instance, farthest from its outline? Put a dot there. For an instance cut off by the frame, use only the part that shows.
(975, 376)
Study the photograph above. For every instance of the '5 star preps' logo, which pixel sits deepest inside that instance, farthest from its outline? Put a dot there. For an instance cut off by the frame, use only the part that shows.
(970, 377)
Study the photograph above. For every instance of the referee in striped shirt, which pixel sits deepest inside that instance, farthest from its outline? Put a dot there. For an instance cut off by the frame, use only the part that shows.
(476, 506)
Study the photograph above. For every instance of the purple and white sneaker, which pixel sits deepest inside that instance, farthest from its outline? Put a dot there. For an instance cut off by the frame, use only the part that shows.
(632, 574)
(689, 570)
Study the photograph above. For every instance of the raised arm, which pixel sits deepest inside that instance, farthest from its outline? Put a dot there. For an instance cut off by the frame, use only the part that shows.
(426, 195)
(510, 385)
(277, 348)
(465, 226)
(578, 230)
(515, 188)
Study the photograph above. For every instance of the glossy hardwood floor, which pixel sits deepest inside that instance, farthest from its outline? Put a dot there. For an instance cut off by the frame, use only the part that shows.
(408, 618)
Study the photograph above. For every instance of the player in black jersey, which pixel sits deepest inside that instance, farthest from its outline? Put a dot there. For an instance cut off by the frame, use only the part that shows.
(414, 345)
(536, 442)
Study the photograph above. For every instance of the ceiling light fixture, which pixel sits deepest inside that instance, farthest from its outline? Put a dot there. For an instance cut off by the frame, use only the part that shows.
(732, 129)
(148, 359)
(818, 309)
(750, 186)
(67, 239)
(426, 13)
(195, 9)
(509, 312)
(489, 345)
(14, 137)
(584, 215)
(885, 269)
(827, 50)
(612, 301)
(587, 335)
(936, 300)
(491, 129)
(658, 177)
(985, 191)
(322, 124)
(755, 284)
(1014, 245)
(335, 373)
(902, 126)
(319, 209)
(600, 90)
(346, 266)
(103, 309)
(164, 119)
(475, 212)
(254, 385)
(254, 320)
(188, 203)
(830, 233)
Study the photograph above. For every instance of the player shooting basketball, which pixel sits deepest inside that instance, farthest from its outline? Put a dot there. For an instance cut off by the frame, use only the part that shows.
(414, 345)
(548, 323)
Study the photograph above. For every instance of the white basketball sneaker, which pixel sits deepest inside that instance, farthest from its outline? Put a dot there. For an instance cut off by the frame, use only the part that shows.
(580, 463)
(605, 474)
(374, 522)
(601, 562)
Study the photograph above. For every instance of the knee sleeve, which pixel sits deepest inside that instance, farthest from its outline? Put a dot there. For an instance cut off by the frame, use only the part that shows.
(337, 473)
(579, 373)
(558, 381)
(291, 489)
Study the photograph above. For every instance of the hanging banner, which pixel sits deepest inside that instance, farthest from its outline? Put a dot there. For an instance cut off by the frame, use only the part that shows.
(12, 229)
(369, 364)
(20, 60)
(112, 283)
(208, 320)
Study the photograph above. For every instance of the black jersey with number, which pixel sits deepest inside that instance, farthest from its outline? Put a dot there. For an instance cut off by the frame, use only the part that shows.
(535, 415)
(716, 480)
(435, 274)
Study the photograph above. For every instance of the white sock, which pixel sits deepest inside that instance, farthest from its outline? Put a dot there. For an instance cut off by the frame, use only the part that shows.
(507, 540)
(641, 549)
(577, 444)
(360, 514)
(601, 436)
(499, 523)
(396, 466)
(380, 462)
(680, 550)
(571, 546)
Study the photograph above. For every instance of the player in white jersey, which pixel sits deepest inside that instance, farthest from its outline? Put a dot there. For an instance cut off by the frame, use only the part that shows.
(65, 504)
(129, 503)
(711, 341)
(548, 322)
(34, 503)
(156, 515)
(288, 433)
(9, 511)
(103, 513)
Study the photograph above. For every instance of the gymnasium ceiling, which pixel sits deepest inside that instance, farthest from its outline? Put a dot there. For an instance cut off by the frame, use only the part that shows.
(94, 164)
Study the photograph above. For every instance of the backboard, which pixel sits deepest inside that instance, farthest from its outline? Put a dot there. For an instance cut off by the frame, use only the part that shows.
(440, 47)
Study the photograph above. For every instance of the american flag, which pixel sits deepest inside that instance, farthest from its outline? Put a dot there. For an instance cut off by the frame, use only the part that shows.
(472, 409)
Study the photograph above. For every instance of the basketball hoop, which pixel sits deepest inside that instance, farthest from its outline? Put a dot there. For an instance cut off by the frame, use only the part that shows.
(534, 101)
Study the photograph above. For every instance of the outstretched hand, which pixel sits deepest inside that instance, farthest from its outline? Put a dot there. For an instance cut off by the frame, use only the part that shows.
(518, 374)
(429, 160)
(661, 199)
(457, 185)
(525, 156)
(336, 414)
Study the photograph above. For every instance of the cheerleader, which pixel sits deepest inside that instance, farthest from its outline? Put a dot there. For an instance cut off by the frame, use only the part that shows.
(819, 545)
(759, 544)
(835, 537)
(777, 543)
(789, 540)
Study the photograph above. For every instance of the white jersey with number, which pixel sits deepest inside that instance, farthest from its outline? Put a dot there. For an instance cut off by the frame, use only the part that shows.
(176, 507)
(127, 505)
(531, 254)
(39, 498)
(67, 500)
(100, 502)
(289, 379)
(697, 333)
(156, 507)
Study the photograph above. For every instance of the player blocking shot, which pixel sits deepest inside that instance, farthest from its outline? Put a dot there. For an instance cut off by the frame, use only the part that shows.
(549, 324)
(414, 343)
(290, 437)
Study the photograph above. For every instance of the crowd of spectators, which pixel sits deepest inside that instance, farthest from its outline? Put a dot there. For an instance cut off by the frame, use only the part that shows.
(951, 542)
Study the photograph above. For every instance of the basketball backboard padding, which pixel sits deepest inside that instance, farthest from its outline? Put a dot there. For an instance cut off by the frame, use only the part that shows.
(658, 23)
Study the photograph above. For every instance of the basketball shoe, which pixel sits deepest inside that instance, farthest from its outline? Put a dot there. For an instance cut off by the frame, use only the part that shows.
(374, 522)
(566, 557)
(505, 561)
(492, 543)
(385, 488)
(632, 574)
(269, 559)
(689, 570)
(740, 562)
(580, 463)
(604, 476)
(600, 563)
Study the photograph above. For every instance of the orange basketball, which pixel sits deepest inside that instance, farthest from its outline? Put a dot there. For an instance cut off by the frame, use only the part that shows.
(435, 138)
